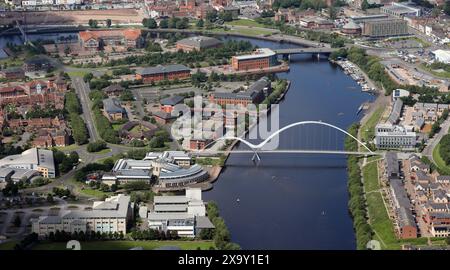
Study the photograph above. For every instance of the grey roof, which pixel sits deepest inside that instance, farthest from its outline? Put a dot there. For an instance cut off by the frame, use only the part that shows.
(252, 91)
(162, 69)
(203, 223)
(181, 199)
(170, 208)
(113, 88)
(399, 193)
(163, 115)
(121, 211)
(396, 111)
(200, 42)
(173, 100)
(443, 178)
(112, 105)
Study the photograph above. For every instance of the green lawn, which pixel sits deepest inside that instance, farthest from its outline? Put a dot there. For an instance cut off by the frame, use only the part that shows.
(77, 73)
(124, 245)
(249, 32)
(71, 147)
(246, 22)
(378, 216)
(8, 245)
(440, 163)
(368, 129)
(103, 151)
(94, 192)
(438, 73)
(117, 126)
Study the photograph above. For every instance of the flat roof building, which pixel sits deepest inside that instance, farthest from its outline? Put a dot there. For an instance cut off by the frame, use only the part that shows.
(401, 9)
(34, 159)
(388, 136)
(108, 216)
(442, 56)
(261, 58)
(385, 28)
(160, 73)
(198, 43)
(185, 214)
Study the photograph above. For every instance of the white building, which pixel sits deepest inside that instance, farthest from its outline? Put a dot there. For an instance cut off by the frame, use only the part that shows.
(442, 56)
(34, 159)
(184, 214)
(399, 93)
(401, 9)
(388, 136)
(106, 216)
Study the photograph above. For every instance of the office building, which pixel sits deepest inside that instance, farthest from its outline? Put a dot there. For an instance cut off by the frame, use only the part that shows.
(109, 216)
(160, 73)
(185, 214)
(401, 9)
(385, 28)
(259, 59)
(198, 43)
(388, 136)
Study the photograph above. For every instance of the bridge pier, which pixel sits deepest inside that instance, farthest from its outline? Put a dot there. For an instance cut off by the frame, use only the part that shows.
(256, 157)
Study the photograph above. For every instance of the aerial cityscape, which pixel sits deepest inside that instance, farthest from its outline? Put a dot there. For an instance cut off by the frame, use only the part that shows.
(224, 125)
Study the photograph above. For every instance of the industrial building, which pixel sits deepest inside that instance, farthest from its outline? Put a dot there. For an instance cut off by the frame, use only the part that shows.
(259, 59)
(442, 56)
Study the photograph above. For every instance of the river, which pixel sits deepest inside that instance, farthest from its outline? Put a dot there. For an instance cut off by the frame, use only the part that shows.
(295, 201)
(291, 201)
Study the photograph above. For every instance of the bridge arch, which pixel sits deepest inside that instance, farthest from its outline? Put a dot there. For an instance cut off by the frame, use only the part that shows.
(256, 147)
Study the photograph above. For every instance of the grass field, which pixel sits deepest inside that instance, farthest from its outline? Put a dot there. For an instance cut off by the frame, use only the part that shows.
(440, 163)
(378, 216)
(368, 129)
(124, 245)
(71, 147)
(94, 192)
(249, 32)
(77, 73)
(438, 73)
(246, 22)
(103, 151)
(117, 126)
(8, 245)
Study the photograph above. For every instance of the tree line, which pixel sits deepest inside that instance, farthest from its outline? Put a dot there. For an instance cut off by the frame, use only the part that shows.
(357, 202)
(73, 108)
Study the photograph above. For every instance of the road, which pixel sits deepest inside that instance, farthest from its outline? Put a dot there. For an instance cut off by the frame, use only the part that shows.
(433, 142)
(82, 90)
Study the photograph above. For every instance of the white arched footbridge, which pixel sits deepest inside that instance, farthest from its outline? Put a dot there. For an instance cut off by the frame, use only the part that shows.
(258, 148)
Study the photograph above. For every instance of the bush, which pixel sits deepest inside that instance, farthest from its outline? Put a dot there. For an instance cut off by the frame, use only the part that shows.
(96, 146)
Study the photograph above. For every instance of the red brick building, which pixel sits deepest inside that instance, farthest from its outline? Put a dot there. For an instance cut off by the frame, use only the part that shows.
(129, 38)
(260, 59)
(167, 104)
(160, 73)
(12, 73)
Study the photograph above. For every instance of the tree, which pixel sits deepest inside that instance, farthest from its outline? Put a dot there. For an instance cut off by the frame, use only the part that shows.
(365, 5)
(157, 142)
(50, 198)
(93, 23)
(164, 23)
(88, 77)
(447, 7)
(200, 23)
(149, 23)
(108, 23)
(17, 221)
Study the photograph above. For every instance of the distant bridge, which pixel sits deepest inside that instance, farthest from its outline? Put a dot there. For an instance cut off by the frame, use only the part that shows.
(321, 50)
